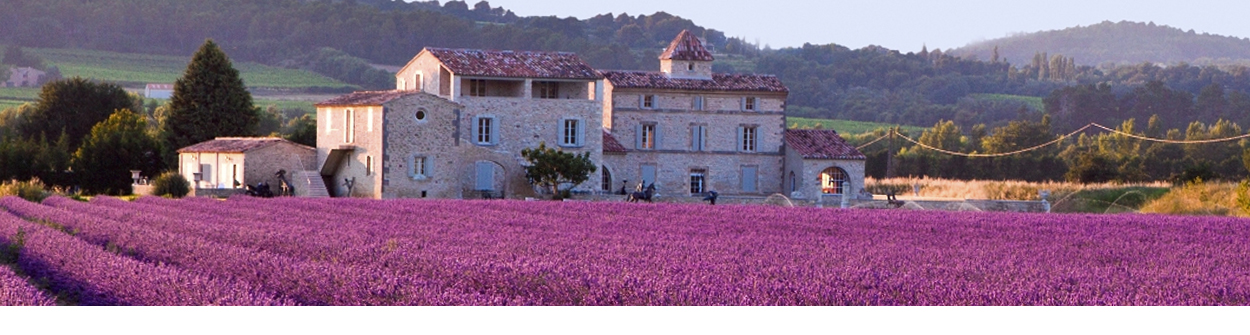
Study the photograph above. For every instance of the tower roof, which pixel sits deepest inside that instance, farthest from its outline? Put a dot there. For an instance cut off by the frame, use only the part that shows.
(686, 47)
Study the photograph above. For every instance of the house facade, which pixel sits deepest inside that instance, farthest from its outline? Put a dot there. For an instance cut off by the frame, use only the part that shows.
(456, 123)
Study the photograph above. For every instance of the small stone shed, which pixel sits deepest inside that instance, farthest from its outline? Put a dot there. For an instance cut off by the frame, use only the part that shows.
(821, 166)
(232, 162)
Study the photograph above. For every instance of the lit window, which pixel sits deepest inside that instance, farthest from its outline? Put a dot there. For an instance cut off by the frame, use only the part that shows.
(648, 136)
(349, 126)
(477, 87)
(748, 139)
(833, 181)
(569, 136)
(547, 89)
(697, 181)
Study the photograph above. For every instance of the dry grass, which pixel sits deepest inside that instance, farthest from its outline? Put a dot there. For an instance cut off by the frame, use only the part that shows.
(1198, 198)
(986, 189)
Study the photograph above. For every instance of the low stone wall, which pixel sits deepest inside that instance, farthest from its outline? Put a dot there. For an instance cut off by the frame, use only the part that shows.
(835, 202)
(216, 192)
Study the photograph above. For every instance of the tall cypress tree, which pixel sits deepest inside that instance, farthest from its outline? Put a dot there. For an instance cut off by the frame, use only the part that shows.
(209, 101)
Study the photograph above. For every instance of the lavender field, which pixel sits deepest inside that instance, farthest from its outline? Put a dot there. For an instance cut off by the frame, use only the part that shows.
(248, 251)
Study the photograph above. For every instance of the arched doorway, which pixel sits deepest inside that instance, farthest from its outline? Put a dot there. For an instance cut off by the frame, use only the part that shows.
(833, 180)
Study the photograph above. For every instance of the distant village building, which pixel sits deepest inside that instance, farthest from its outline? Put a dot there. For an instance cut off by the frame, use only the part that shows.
(158, 91)
(458, 119)
(229, 163)
(24, 77)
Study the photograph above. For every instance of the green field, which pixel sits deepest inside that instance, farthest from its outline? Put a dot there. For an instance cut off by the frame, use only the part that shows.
(136, 69)
(847, 127)
(1034, 103)
(16, 96)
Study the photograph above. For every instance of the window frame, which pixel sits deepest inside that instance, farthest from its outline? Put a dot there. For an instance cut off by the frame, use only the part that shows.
(648, 136)
(748, 138)
(484, 130)
(576, 134)
(548, 89)
(647, 101)
(750, 103)
(477, 87)
(698, 176)
(419, 167)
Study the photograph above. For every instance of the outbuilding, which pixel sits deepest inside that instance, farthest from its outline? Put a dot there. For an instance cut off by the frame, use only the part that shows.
(226, 164)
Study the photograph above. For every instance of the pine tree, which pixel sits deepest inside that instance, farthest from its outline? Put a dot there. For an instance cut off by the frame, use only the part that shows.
(209, 101)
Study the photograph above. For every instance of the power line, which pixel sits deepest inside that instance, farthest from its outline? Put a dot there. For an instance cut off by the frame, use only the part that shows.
(1053, 142)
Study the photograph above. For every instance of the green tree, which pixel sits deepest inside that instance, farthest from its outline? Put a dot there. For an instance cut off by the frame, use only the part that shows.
(302, 130)
(209, 101)
(115, 147)
(551, 168)
(73, 106)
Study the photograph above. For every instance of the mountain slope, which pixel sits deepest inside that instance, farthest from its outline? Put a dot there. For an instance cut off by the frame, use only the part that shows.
(1119, 42)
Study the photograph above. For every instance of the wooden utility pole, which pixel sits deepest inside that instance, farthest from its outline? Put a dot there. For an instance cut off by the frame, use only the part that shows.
(889, 154)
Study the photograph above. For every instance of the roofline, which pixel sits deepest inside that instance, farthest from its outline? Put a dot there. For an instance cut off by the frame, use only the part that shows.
(414, 60)
(279, 141)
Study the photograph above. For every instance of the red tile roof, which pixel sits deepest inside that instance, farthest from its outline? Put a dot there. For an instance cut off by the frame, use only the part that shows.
(610, 144)
(820, 144)
(686, 47)
(719, 82)
(514, 64)
(365, 98)
(236, 144)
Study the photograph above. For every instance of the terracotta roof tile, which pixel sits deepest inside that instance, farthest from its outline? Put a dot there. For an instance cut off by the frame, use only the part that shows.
(236, 144)
(514, 64)
(719, 82)
(363, 98)
(686, 47)
(820, 144)
(610, 144)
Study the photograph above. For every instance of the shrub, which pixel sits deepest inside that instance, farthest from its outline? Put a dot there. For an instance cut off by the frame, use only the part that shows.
(1198, 198)
(33, 190)
(171, 185)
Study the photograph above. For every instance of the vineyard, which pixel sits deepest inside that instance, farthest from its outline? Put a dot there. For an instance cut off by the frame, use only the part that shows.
(290, 251)
(133, 69)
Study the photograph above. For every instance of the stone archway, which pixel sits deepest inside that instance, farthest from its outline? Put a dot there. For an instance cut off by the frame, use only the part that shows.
(834, 180)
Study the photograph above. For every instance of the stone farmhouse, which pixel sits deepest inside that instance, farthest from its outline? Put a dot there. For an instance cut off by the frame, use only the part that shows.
(222, 166)
(458, 119)
(23, 77)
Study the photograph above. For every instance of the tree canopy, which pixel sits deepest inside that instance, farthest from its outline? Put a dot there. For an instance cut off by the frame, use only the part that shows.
(551, 168)
(72, 106)
(116, 146)
(209, 101)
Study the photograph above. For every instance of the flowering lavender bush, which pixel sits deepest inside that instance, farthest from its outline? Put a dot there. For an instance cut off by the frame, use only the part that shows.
(453, 252)
(15, 291)
(86, 274)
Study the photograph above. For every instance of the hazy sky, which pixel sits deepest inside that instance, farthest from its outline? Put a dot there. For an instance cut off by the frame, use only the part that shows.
(902, 24)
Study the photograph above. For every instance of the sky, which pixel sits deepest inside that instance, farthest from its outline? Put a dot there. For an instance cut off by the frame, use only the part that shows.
(903, 25)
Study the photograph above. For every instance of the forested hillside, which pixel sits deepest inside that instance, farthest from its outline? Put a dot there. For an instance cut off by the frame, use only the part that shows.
(298, 33)
(1116, 43)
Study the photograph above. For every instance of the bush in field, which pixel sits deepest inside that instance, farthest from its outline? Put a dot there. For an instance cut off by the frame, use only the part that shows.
(33, 190)
(171, 185)
(1198, 198)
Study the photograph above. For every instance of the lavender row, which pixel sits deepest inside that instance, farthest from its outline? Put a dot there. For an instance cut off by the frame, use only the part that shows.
(15, 291)
(312, 283)
(606, 253)
(86, 274)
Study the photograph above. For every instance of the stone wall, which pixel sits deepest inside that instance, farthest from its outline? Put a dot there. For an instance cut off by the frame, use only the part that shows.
(365, 144)
(436, 138)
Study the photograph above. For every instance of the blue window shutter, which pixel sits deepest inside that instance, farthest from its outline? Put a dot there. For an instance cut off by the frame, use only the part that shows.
(702, 138)
(658, 138)
(485, 176)
(641, 99)
(473, 130)
(494, 131)
(429, 166)
(748, 178)
(638, 136)
(581, 132)
(694, 138)
(742, 103)
(412, 166)
(648, 175)
(741, 136)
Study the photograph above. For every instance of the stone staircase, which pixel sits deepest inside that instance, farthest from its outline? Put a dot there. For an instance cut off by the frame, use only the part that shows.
(309, 184)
